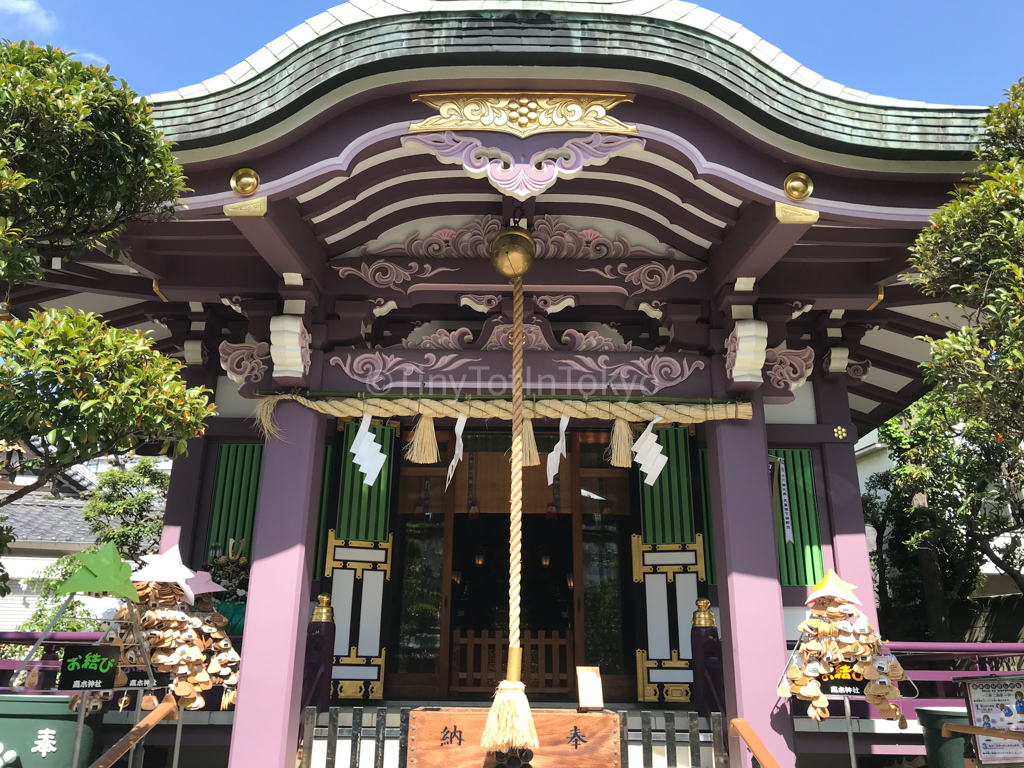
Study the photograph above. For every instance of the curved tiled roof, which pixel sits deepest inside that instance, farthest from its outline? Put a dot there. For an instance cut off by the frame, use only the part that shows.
(673, 38)
(37, 519)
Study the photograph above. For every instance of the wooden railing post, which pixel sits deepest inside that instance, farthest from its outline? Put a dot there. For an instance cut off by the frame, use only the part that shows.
(741, 728)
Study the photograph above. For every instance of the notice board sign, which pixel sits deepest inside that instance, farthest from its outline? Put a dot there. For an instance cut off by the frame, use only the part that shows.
(88, 668)
(843, 680)
(450, 738)
(997, 702)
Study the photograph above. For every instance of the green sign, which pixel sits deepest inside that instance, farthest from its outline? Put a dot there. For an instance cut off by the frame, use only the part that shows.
(88, 668)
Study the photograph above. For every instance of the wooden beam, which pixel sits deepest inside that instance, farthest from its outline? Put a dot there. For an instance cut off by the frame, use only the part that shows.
(908, 325)
(890, 362)
(759, 240)
(285, 241)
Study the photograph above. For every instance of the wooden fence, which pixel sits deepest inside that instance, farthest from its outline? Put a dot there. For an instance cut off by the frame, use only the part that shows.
(680, 736)
(478, 661)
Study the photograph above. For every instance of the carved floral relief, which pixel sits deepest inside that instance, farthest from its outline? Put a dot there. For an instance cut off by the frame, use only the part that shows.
(518, 177)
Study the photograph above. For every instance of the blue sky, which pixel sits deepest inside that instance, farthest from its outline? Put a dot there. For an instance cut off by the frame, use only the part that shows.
(941, 51)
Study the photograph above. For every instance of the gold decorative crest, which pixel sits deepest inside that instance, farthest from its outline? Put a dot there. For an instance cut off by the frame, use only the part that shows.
(522, 113)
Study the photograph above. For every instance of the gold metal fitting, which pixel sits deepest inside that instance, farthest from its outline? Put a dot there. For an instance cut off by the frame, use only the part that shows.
(5, 312)
(703, 617)
(514, 671)
(512, 252)
(323, 613)
(798, 186)
(840, 432)
(245, 182)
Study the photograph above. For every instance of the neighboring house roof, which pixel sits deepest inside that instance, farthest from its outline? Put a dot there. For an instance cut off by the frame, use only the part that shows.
(48, 520)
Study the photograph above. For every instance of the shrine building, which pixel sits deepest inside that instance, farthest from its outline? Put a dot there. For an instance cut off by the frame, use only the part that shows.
(719, 237)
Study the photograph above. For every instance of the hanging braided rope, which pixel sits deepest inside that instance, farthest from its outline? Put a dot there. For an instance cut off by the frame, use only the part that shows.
(515, 556)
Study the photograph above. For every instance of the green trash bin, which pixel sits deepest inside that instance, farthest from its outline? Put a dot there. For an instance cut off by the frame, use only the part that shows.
(46, 724)
(943, 752)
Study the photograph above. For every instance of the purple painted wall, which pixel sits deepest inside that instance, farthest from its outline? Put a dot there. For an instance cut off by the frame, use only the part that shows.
(267, 718)
(749, 595)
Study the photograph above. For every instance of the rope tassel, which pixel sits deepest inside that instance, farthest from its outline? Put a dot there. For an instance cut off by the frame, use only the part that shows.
(509, 723)
(531, 457)
(620, 452)
(423, 447)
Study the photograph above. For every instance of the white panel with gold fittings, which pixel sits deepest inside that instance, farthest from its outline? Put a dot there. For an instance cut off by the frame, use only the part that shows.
(669, 573)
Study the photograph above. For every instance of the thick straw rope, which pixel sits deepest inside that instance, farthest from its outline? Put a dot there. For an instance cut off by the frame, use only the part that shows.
(354, 408)
(515, 555)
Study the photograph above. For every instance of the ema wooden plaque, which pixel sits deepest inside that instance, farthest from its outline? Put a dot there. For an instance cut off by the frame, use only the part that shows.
(450, 738)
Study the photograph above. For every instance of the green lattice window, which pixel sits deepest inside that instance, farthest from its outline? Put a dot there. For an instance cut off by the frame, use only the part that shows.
(236, 487)
(800, 561)
(667, 505)
(362, 511)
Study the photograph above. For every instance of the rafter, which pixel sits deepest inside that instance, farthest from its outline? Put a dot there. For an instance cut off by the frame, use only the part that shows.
(756, 244)
(285, 241)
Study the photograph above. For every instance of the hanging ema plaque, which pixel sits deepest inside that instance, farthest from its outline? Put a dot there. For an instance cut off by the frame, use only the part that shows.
(88, 668)
(450, 738)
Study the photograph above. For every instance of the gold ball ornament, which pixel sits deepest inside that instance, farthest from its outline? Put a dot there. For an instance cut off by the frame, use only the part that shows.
(245, 182)
(798, 186)
(512, 252)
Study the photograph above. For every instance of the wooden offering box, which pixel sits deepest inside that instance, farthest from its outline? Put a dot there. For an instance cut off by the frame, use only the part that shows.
(450, 738)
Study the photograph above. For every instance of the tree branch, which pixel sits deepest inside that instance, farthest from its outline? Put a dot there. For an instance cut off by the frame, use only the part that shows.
(25, 490)
(1002, 565)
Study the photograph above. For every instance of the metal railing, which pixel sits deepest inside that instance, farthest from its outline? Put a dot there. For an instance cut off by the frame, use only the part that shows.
(679, 736)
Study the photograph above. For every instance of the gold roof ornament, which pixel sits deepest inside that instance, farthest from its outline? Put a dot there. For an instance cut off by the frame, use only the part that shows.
(245, 182)
(5, 312)
(703, 617)
(522, 113)
(798, 186)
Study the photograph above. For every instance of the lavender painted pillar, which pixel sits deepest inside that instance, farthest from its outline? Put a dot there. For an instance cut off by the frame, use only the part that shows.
(749, 594)
(266, 724)
(842, 488)
(183, 493)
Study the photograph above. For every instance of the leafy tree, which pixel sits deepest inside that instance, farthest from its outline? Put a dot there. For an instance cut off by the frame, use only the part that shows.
(123, 509)
(81, 390)
(914, 566)
(964, 480)
(80, 157)
(974, 254)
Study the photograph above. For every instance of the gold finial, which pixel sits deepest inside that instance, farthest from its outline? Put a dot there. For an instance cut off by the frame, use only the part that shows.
(245, 182)
(703, 617)
(323, 613)
(798, 186)
(5, 312)
(512, 252)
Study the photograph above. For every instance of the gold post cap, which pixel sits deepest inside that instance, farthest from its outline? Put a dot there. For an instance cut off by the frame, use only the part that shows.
(323, 613)
(703, 617)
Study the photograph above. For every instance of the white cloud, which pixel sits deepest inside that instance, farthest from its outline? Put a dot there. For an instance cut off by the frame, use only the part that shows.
(90, 58)
(30, 13)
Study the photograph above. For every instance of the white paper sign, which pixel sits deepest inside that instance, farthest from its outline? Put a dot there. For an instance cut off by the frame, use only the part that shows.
(367, 453)
(558, 452)
(787, 515)
(648, 454)
(460, 425)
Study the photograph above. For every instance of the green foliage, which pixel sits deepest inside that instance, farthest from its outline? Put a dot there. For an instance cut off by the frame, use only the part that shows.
(86, 390)
(80, 157)
(75, 619)
(964, 480)
(6, 539)
(974, 254)
(123, 509)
